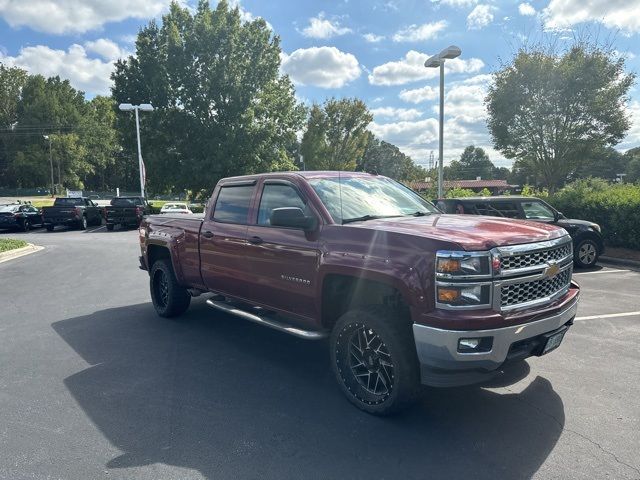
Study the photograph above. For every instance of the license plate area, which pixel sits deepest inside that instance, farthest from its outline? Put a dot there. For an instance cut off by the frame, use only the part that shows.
(553, 340)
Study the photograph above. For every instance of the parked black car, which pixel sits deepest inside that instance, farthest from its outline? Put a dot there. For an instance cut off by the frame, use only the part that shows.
(587, 239)
(126, 211)
(73, 212)
(20, 217)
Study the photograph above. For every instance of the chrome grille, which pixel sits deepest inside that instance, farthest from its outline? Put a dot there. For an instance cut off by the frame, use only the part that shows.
(535, 258)
(517, 293)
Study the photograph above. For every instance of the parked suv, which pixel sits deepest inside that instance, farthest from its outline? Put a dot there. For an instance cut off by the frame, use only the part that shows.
(405, 294)
(587, 237)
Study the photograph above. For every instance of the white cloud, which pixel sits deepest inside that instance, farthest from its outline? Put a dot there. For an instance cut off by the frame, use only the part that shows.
(321, 27)
(411, 68)
(417, 33)
(325, 67)
(396, 113)
(107, 49)
(618, 14)
(372, 37)
(526, 9)
(456, 3)
(75, 16)
(465, 124)
(418, 95)
(480, 17)
(88, 74)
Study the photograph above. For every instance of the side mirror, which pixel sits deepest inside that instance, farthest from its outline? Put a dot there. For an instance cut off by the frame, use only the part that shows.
(291, 217)
(558, 216)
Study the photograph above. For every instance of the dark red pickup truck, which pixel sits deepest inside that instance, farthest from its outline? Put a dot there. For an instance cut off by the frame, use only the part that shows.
(406, 294)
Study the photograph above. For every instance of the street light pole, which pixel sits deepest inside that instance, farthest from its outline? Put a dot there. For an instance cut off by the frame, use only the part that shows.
(432, 62)
(145, 107)
(441, 135)
(47, 137)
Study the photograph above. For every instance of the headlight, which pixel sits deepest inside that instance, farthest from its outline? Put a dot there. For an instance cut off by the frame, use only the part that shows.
(464, 295)
(462, 264)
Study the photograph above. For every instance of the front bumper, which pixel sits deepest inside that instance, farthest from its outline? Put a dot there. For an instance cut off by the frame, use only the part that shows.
(442, 364)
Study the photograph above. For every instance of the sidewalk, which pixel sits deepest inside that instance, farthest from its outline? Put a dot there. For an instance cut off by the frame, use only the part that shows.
(621, 256)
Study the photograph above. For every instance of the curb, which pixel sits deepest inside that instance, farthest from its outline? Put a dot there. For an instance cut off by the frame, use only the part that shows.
(19, 252)
(622, 262)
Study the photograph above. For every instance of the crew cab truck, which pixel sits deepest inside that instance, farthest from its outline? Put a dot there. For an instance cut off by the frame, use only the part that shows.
(126, 211)
(78, 212)
(405, 294)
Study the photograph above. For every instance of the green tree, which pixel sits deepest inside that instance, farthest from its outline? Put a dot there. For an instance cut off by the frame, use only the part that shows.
(222, 107)
(632, 160)
(386, 159)
(336, 135)
(552, 110)
(473, 163)
(12, 81)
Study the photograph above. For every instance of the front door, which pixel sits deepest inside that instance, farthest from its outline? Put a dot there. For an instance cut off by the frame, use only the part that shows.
(283, 262)
(223, 241)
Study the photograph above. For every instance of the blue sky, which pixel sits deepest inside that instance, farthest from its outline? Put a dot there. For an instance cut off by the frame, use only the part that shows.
(371, 49)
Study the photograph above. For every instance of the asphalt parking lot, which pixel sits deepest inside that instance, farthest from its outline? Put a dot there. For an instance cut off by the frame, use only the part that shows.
(94, 385)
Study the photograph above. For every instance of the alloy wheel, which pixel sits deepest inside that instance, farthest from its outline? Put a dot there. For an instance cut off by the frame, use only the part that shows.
(587, 253)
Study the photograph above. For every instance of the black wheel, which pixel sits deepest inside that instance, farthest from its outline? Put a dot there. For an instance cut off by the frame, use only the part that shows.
(49, 228)
(169, 298)
(82, 225)
(26, 225)
(586, 253)
(110, 226)
(373, 356)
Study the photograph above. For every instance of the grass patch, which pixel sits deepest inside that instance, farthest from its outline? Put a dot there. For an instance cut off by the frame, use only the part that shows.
(46, 202)
(7, 244)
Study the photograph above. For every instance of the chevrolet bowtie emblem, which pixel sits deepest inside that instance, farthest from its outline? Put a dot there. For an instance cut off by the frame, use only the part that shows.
(551, 271)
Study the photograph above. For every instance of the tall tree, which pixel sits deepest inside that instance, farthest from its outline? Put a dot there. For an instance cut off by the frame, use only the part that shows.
(474, 162)
(386, 159)
(336, 135)
(12, 81)
(554, 109)
(222, 107)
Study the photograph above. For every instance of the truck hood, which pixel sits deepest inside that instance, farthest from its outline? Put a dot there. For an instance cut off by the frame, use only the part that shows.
(471, 232)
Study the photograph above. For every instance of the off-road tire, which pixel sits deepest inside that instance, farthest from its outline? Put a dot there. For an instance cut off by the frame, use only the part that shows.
(396, 385)
(50, 228)
(169, 298)
(586, 253)
(110, 226)
(82, 224)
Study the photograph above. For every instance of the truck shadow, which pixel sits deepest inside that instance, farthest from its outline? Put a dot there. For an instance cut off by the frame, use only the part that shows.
(230, 399)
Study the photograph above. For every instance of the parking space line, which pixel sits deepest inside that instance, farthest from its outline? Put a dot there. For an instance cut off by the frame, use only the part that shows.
(613, 270)
(609, 315)
(94, 230)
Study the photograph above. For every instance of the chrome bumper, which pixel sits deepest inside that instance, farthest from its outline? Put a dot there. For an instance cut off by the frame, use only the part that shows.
(443, 365)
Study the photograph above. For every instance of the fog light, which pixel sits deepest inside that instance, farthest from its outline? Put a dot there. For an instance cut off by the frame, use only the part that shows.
(468, 343)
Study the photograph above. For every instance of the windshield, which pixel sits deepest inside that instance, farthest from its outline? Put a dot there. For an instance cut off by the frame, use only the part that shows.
(125, 202)
(68, 202)
(9, 208)
(364, 198)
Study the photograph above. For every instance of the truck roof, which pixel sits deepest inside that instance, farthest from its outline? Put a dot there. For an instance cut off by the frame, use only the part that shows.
(304, 174)
(478, 198)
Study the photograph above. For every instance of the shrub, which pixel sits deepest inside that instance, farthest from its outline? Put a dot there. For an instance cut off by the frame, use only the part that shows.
(460, 192)
(616, 208)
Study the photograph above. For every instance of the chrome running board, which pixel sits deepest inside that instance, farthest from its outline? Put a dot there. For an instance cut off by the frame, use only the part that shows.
(267, 322)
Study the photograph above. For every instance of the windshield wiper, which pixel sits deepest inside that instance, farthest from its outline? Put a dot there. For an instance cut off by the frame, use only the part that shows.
(419, 214)
(364, 218)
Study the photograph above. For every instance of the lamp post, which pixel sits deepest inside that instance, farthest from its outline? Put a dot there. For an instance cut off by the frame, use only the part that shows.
(47, 137)
(145, 107)
(432, 62)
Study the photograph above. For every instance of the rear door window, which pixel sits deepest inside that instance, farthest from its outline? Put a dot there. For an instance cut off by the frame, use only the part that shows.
(499, 209)
(232, 205)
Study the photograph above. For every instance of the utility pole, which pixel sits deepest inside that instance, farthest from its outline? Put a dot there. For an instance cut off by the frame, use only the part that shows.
(53, 191)
(145, 107)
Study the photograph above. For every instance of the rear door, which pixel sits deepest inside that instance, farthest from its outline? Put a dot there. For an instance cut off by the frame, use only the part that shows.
(223, 236)
(283, 262)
